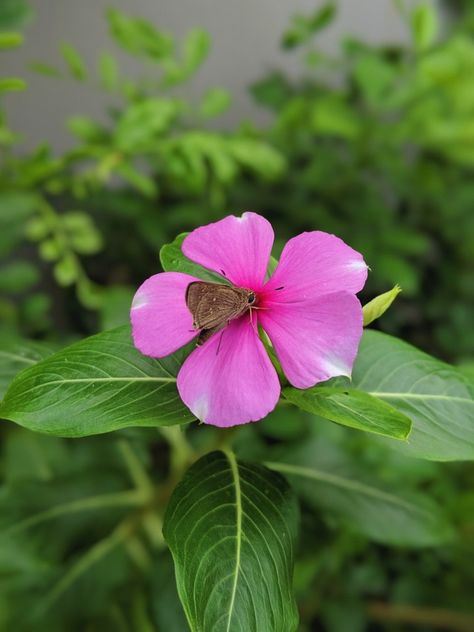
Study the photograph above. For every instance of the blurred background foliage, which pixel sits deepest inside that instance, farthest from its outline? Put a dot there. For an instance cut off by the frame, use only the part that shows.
(375, 144)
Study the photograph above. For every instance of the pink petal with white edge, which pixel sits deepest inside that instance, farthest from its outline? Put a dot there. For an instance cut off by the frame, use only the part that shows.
(237, 247)
(317, 263)
(317, 339)
(161, 320)
(230, 379)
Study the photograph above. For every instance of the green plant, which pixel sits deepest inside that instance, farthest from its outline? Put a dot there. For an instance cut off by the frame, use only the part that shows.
(373, 518)
(128, 184)
(384, 157)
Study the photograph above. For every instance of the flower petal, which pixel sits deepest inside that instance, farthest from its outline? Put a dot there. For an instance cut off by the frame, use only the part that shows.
(237, 247)
(315, 339)
(161, 320)
(316, 263)
(230, 379)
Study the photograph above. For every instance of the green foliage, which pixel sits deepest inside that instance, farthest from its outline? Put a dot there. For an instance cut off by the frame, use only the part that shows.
(170, 172)
(14, 14)
(138, 36)
(74, 62)
(379, 305)
(379, 148)
(374, 144)
(173, 260)
(215, 102)
(423, 388)
(304, 27)
(97, 385)
(108, 71)
(353, 408)
(10, 40)
(17, 355)
(333, 482)
(11, 84)
(237, 518)
(424, 26)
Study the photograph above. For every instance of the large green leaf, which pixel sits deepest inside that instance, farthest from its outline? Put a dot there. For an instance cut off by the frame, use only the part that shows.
(339, 486)
(230, 527)
(97, 385)
(16, 355)
(438, 398)
(352, 408)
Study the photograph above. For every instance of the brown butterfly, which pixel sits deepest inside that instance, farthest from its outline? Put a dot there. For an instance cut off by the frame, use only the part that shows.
(214, 305)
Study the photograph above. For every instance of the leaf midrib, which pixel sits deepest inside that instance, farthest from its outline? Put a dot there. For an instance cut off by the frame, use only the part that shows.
(18, 358)
(338, 481)
(238, 508)
(408, 395)
(78, 380)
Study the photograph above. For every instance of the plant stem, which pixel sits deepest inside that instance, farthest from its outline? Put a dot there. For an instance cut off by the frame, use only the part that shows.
(129, 498)
(182, 454)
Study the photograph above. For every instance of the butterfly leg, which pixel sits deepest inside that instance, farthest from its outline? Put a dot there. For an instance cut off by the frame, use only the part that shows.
(220, 341)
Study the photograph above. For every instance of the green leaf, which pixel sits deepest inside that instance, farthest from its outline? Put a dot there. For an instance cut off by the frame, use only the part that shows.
(94, 386)
(258, 156)
(352, 408)
(196, 49)
(66, 271)
(108, 71)
(85, 129)
(437, 397)
(231, 527)
(50, 250)
(81, 232)
(142, 182)
(215, 102)
(16, 355)
(45, 69)
(173, 260)
(143, 122)
(15, 211)
(379, 305)
(14, 13)
(18, 276)
(138, 36)
(330, 481)
(424, 26)
(273, 91)
(375, 77)
(304, 27)
(74, 61)
(10, 40)
(332, 116)
(12, 84)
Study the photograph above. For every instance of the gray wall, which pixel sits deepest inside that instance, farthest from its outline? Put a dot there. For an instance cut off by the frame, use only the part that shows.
(245, 36)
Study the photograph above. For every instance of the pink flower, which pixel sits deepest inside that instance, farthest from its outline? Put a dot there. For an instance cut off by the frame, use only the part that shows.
(308, 309)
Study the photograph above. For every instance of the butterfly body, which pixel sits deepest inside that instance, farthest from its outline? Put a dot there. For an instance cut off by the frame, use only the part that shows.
(214, 305)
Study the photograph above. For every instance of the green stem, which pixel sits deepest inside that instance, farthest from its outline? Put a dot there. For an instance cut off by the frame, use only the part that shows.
(132, 498)
(182, 454)
(93, 555)
(138, 474)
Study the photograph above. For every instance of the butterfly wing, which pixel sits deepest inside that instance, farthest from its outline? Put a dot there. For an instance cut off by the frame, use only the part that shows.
(213, 304)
